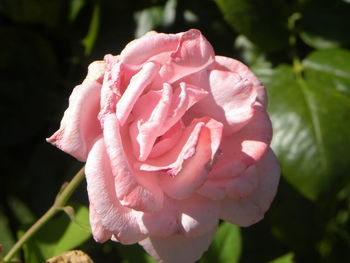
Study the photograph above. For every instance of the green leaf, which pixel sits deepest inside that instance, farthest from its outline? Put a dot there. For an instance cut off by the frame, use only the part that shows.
(310, 115)
(75, 8)
(58, 235)
(263, 22)
(90, 38)
(21, 211)
(226, 246)
(287, 258)
(6, 237)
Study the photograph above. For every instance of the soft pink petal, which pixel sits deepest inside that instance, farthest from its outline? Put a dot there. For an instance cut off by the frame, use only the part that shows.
(229, 64)
(168, 140)
(191, 217)
(134, 190)
(230, 100)
(193, 54)
(236, 187)
(184, 98)
(245, 147)
(180, 54)
(172, 161)
(177, 248)
(141, 50)
(137, 85)
(98, 231)
(114, 218)
(251, 209)
(156, 112)
(79, 126)
(149, 115)
(111, 86)
(195, 169)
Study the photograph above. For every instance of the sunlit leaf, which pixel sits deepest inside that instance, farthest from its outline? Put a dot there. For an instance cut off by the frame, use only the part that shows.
(287, 258)
(90, 38)
(57, 236)
(75, 7)
(310, 115)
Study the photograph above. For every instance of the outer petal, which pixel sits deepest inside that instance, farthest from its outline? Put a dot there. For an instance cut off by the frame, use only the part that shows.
(230, 101)
(236, 187)
(225, 63)
(249, 210)
(80, 126)
(180, 54)
(98, 231)
(106, 210)
(132, 189)
(191, 217)
(177, 248)
(244, 148)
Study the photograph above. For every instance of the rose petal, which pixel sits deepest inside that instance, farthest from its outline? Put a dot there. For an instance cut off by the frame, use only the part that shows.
(156, 112)
(167, 141)
(132, 189)
(194, 216)
(137, 85)
(225, 63)
(251, 209)
(237, 187)
(230, 101)
(98, 231)
(172, 161)
(244, 148)
(114, 218)
(177, 248)
(149, 115)
(195, 169)
(79, 126)
(180, 54)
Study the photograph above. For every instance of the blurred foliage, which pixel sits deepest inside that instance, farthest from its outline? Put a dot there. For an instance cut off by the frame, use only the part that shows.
(299, 49)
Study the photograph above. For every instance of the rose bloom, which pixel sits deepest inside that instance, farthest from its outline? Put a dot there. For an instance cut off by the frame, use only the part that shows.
(174, 139)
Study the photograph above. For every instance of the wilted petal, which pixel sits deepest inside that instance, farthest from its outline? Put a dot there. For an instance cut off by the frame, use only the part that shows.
(251, 209)
(80, 126)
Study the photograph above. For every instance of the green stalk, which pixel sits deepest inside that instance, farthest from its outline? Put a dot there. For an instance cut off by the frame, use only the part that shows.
(60, 201)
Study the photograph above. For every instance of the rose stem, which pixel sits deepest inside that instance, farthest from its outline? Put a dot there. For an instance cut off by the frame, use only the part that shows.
(60, 201)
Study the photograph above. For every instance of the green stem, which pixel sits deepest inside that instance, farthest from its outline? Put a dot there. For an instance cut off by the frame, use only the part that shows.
(60, 201)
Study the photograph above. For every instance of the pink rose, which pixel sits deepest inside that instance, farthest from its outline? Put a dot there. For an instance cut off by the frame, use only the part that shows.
(174, 139)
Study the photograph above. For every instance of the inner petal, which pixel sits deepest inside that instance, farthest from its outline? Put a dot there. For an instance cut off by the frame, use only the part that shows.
(156, 112)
